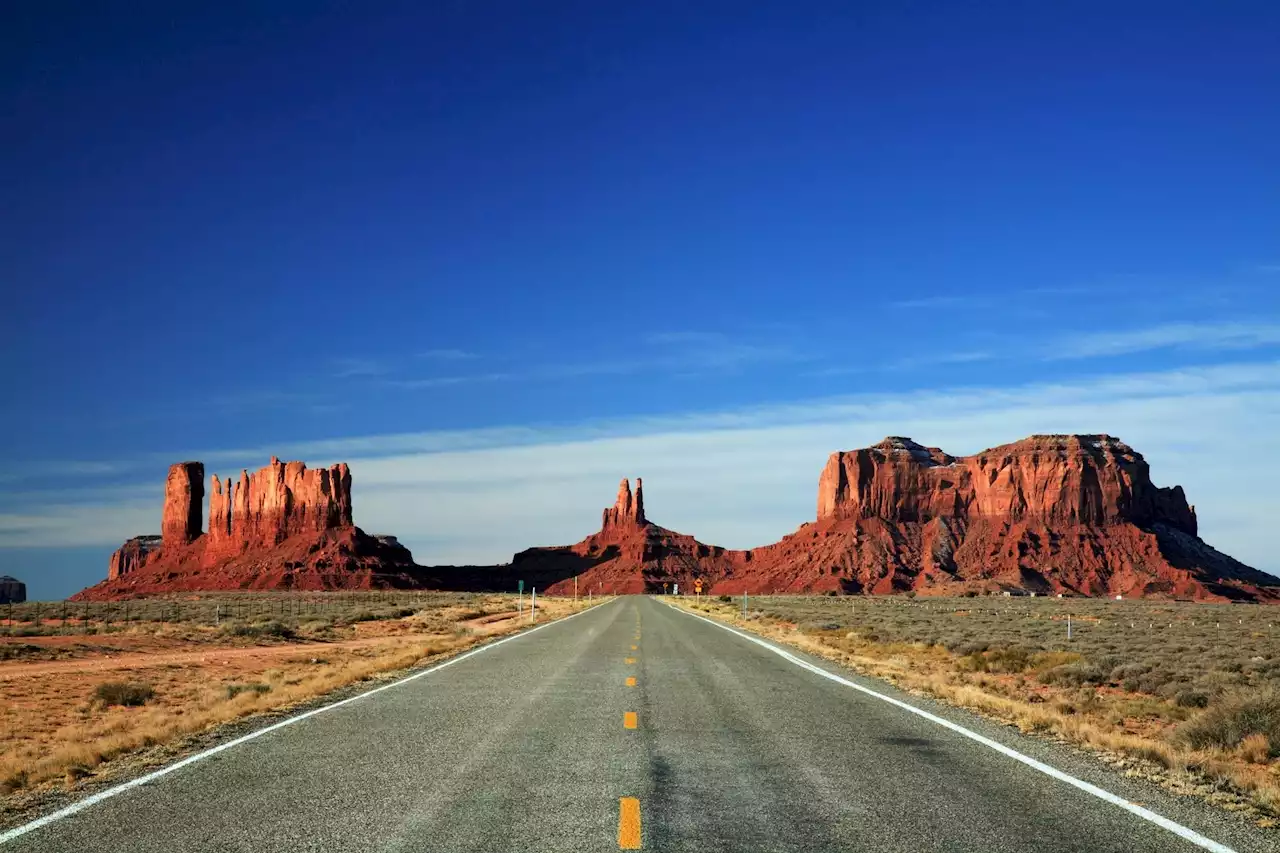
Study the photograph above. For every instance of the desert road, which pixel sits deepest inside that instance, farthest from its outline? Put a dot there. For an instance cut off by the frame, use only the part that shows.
(637, 726)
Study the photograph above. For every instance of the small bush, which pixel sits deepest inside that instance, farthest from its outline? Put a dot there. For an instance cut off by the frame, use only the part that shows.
(1190, 698)
(15, 781)
(271, 628)
(1010, 659)
(1073, 674)
(727, 599)
(1256, 749)
(1227, 725)
(130, 694)
(234, 690)
(13, 651)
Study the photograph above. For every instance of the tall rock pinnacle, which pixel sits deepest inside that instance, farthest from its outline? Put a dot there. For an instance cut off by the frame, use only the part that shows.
(182, 518)
(627, 510)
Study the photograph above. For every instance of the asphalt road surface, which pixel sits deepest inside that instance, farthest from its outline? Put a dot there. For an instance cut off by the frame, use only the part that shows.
(633, 726)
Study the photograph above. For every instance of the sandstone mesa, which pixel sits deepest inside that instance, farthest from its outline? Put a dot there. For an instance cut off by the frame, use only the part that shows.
(282, 527)
(12, 590)
(1069, 514)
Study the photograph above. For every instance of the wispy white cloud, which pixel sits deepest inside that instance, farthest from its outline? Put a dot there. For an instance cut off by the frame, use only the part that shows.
(934, 302)
(1181, 336)
(926, 360)
(681, 352)
(448, 355)
(1014, 296)
(747, 476)
(446, 381)
(908, 363)
(344, 368)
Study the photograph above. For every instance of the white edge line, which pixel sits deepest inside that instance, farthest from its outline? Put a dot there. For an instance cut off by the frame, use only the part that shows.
(81, 805)
(1146, 814)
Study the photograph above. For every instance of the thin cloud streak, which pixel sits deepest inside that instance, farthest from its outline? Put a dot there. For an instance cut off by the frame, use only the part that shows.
(987, 300)
(448, 355)
(930, 302)
(686, 352)
(345, 368)
(1178, 336)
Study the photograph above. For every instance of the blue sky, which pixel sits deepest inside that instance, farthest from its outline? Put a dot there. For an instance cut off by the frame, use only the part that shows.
(498, 257)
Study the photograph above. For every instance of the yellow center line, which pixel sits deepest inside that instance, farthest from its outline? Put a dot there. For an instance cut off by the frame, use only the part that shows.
(630, 660)
(629, 720)
(633, 648)
(631, 681)
(628, 823)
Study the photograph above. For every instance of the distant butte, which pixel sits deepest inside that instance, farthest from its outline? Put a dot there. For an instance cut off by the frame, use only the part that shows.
(1051, 514)
(282, 527)
(1070, 514)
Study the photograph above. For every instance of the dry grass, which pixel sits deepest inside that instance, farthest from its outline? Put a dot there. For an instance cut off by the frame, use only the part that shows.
(1186, 693)
(76, 706)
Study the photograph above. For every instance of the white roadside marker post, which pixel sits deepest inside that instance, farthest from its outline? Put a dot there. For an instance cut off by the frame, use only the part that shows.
(533, 605)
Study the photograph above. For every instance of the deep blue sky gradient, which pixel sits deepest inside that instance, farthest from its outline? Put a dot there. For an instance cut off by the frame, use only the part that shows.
(233, 224)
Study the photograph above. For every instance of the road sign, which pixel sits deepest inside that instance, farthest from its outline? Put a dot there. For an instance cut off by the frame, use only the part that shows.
(697, 586)
(520, 587)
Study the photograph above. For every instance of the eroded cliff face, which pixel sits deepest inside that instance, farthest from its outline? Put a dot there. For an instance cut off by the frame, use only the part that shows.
(180, 520)
(282, 526)
(273, 503)
(1055, 479)
(132, 555)
(1050, 513)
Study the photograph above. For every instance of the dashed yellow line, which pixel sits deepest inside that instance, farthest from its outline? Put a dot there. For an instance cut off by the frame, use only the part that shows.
(631, 681)
(630, 660)
(628, 823)
(633, 648)
(629, 720)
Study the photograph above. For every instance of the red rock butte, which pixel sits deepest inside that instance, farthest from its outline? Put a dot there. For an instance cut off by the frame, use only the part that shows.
(283, 526)
(1069, 514)
(1051, 514)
